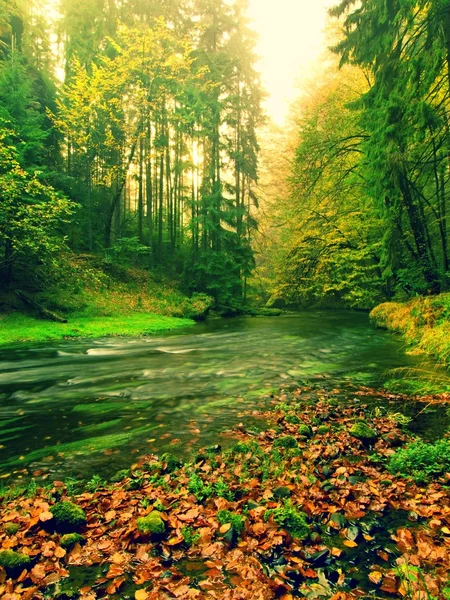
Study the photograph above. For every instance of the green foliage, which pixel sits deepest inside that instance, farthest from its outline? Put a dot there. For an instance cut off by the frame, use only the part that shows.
(14, 562)
(151, 524)
(290, 519)
(95, 483)
(236, 521)
(199, 488)
(285, 441)
(421, 461)
(190, 535)
(293, 419)
(69, 540)
(305, 430)
(67, 516)
(171, 461)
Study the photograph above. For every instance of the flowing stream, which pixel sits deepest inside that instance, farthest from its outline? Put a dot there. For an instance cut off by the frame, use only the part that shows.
(83, 407)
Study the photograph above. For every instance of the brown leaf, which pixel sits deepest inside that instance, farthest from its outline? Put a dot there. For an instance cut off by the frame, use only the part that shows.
(45, 516)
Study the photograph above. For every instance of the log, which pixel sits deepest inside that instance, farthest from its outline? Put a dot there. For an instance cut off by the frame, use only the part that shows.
(43, 312)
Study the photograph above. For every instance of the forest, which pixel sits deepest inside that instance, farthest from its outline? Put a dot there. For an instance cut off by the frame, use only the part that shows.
(224, 337)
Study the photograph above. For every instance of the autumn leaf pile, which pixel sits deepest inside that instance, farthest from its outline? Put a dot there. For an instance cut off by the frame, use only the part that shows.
(230, 515)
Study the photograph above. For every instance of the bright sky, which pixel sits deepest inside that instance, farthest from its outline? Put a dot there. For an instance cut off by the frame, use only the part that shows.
(291, 38)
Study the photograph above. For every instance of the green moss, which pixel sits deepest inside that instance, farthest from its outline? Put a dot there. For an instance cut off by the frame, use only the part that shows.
(323, 429)
(151, 524)
(285, 441)
(14, 562)
(292, 419)
(69, 540)
(171, 462)
(67, 516)
(363, 432)
(11, 528)
(305, 430)
(235, 520)
(290, 519)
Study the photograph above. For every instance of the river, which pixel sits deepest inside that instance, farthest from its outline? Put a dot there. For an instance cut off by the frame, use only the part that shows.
(88, 407)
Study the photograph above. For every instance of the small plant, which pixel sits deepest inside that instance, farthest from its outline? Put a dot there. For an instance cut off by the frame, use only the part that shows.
(190, 536)
(14, 562)
(399, 419)
(421, 460)
(222, 489)
(159, 506)
(285, 441)
(69, 540)
(290, 519)
(197, 487)
(171, 462)
(67, 517)
(11, 528)
(235, 520)
(241, 448)
(94, 484)
(151, 524)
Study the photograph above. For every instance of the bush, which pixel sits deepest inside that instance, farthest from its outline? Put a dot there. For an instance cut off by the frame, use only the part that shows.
(67, 516)
(151, 524)
(69, 540)
(14, 562)
(305, 430)
(290, 519)
(421, 461)
(285, 441)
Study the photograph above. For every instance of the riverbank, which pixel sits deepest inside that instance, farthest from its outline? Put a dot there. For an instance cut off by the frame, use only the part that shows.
(331, 499)
(424, 323)
(99, 299)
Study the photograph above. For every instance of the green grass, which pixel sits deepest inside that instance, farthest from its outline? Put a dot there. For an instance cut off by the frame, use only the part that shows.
(17, 327)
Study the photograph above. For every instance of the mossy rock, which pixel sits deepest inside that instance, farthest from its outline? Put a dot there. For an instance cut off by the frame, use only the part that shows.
(292, 419)
(363, 432)
(11, 528)
(282, 492)
(305, 430)
(67, 517)
(323, 429)
(285, 441)
(151, 524)
(69, 540)
(14, 562)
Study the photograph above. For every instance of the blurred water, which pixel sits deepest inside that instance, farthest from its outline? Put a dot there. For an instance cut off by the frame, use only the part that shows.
(79, 407)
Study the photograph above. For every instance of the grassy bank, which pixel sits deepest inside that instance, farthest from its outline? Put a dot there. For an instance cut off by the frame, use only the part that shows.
(99, 299)
(424, 323)
(331, 500)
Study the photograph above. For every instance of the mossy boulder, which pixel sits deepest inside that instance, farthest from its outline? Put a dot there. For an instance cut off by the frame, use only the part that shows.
(285, 441)
(69, 540)
(323, 429)
(67, 517)
(292, 419)
(14, 562)
(305, 430)
(11, 528)
(363, 432)
(282, 492)
(151, 524)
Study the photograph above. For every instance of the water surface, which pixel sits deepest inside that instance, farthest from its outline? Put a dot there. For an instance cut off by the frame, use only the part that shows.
(84, 407)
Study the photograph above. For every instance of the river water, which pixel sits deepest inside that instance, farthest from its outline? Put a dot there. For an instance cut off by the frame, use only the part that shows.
(84, 407)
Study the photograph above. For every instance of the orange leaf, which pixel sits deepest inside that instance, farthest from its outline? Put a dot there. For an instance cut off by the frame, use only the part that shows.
(225, 527)
(140, 595)
(45, 516)
(350, 544)
(375, 577)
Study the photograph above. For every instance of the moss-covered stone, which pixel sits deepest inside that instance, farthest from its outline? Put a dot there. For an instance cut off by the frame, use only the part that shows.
(363, 432)
(69, 540)
(14, 562)
(305, 430)
(171, 462)
(67, 517)
(323, 429)
(151, 524)
(292, 419)
(11, 528)
(282, 492)
(285, 441)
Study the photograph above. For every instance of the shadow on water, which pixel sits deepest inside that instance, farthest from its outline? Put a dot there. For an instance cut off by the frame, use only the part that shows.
(84, 407)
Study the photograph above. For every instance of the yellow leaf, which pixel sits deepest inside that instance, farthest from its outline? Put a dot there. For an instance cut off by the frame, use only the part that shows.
(350, 544)
(376, 577)
(225, 527)
(140, 595)
(445, 530)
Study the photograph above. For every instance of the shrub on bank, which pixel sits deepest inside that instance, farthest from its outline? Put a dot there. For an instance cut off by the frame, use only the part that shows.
(421, 460)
